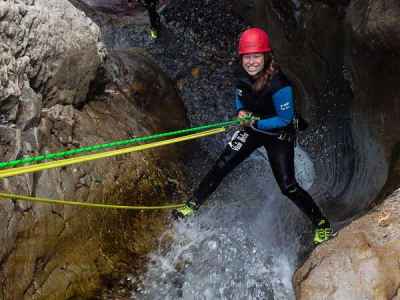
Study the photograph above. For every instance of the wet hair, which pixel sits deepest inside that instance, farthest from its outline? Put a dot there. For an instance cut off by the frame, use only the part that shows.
(270, 69)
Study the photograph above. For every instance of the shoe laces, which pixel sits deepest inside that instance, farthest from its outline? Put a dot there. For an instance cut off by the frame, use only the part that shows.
(192, 205)
(323, 230)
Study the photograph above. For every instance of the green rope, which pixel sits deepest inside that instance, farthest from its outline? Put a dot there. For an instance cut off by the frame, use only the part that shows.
(134, 140)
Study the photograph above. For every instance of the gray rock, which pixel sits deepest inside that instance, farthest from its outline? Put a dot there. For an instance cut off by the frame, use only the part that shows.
(53, 76)
(47, 61)
(11, 143)
(29, 109)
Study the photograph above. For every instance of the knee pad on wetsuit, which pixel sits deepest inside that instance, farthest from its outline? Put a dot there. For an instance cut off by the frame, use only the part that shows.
(290, 188)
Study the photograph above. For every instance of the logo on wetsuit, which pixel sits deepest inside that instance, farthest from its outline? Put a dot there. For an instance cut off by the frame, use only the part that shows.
(285, 106)
(238, 139)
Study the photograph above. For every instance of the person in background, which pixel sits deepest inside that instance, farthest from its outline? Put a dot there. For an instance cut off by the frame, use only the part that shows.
(151, 6)
(261, 89)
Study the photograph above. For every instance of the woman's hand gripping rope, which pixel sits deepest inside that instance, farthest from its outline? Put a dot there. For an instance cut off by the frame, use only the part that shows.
(248, 118)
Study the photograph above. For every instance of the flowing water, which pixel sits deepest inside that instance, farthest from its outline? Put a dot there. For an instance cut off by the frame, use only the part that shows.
(244, 244)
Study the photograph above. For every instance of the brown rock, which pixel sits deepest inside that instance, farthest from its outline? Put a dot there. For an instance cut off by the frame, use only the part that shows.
(361, 262)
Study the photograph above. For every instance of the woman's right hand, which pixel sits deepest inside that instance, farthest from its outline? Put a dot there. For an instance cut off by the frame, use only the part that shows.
(241, 113)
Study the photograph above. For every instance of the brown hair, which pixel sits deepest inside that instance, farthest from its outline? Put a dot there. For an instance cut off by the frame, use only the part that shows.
(270, 69)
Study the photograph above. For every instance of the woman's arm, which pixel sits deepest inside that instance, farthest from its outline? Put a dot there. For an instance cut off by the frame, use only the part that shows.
(239, 104)
(283, 103)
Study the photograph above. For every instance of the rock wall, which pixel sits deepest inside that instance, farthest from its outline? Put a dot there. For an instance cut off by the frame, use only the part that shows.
(59, 90)
(59, 65)
(342, 57)
(372, 55)
(362, 262)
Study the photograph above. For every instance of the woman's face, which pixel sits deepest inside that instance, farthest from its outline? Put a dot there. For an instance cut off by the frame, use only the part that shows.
(253, 63)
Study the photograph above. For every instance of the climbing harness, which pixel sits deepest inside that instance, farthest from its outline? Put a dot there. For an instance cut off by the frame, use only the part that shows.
(284, 135)
(213, 129)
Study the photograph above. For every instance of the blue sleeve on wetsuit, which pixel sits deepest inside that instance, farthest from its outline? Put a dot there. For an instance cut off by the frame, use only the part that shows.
(283, 103)
(239, 104)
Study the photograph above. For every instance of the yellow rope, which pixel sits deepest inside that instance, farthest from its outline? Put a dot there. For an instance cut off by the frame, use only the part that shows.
(69, 161)
(26, 198)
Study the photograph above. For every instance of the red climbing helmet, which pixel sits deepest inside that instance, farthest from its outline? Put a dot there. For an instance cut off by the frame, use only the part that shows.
(254, 40)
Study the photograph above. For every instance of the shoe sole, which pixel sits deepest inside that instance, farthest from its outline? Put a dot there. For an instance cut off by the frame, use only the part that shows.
(177, 215)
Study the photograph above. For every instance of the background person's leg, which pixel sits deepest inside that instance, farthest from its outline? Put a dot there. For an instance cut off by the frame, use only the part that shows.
(151, 6)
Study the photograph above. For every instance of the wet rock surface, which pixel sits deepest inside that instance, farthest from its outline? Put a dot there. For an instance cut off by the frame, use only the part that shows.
(213, 25)
(199, 65)
(343, 58)
(330, 50)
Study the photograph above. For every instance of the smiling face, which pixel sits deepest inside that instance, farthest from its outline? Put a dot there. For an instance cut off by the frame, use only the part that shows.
(253, 63)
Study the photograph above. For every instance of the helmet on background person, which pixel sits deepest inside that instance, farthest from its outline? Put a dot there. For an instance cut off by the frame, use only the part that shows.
(254, 40)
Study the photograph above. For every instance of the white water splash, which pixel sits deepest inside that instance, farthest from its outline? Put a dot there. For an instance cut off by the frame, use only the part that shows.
(244, 245)
(237, 248)
(304, 168)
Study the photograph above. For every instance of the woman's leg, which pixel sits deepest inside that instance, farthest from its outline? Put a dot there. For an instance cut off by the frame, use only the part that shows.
(281, 158)
(242, 144)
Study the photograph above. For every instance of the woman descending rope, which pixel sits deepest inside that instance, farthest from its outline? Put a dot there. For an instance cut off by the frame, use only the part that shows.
(151, 6)
(264, 91)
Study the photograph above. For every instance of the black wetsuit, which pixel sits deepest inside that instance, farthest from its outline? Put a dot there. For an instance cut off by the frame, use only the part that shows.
(151, 6)
(274, 105)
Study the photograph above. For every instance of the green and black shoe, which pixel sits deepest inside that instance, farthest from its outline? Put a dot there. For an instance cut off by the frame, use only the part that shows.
(153, 33)
(189, 209)
(323, 232)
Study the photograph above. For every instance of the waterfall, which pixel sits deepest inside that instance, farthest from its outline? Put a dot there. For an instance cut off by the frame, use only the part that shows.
(243, 244)
(246, 241)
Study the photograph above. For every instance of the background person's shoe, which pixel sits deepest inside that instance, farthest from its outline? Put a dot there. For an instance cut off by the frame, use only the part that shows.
(323, 232)
(153, 33)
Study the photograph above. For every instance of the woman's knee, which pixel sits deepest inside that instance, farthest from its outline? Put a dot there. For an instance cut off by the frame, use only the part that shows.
(289, 187)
